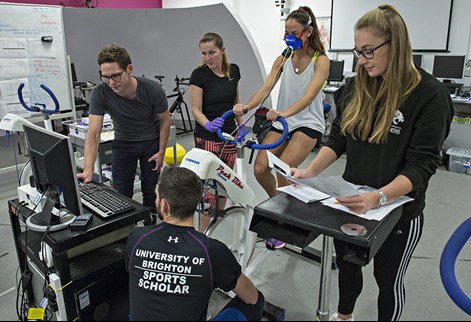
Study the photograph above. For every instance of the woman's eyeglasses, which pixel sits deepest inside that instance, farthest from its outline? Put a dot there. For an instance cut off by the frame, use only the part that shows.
(115, 77)
(367, 53)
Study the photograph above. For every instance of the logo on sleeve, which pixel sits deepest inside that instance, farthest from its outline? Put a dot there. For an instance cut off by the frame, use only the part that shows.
(398, 119)
(172, 239)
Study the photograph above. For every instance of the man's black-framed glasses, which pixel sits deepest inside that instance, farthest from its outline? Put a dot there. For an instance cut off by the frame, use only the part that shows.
(367, 53)
(115, 77)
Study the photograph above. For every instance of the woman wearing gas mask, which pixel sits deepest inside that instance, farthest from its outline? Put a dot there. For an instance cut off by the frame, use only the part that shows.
(303, 68)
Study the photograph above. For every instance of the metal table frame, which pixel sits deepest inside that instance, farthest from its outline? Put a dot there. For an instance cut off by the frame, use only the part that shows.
(286, 218)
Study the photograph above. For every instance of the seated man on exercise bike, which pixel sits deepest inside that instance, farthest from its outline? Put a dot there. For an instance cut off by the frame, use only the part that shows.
(173, 269)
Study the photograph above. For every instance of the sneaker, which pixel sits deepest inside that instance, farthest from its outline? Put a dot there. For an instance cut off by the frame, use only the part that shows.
(273, 243)
(335, 317)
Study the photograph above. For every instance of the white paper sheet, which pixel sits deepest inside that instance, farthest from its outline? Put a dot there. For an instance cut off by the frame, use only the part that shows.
(319, 188)
(373, 214)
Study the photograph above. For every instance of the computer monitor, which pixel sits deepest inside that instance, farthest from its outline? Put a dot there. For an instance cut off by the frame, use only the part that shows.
(74, 73)
(336, 70)
(417, 59)
(448, 67)
(54, 176)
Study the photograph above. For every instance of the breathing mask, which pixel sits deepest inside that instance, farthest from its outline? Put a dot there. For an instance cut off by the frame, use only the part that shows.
(296, 42)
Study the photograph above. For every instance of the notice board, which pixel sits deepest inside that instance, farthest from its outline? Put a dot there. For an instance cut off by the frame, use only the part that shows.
(32, 51)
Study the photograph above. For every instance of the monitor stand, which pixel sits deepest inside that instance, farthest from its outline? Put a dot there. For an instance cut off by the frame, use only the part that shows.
(49, 219)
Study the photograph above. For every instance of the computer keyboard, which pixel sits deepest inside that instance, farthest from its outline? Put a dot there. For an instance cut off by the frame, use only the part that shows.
(103, 201)
(80, 84)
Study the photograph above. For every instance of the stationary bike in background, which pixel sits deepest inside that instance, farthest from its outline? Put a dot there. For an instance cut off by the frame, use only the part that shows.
(230, 226)
(180, 103)
(14, 123)
(35, 108)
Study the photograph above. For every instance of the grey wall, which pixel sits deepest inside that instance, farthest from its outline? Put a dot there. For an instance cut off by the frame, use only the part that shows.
(160, 41)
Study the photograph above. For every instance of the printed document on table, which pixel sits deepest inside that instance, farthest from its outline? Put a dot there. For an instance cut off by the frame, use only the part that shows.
(372, 214)
(319, 188)
(304, 193)
(333, 185)
(300, 191)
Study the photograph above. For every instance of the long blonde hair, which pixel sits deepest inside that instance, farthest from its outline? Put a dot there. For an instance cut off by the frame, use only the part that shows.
(212, 36)
(373, 106)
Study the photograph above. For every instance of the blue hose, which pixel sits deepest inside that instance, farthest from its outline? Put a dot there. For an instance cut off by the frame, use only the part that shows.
(447, 265)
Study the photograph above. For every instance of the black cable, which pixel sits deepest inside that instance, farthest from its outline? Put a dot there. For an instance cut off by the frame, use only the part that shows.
(18, 296)
(27, 274)
(19, 310)
(43, 246)
(22, 285)
(51, 314)
(44, 254)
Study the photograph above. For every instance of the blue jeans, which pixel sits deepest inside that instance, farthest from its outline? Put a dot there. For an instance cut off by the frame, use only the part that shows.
(125, 155)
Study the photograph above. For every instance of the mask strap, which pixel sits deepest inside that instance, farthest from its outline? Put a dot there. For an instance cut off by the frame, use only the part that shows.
(300, 37)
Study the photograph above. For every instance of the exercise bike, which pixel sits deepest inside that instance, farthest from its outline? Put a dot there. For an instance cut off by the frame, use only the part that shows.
(14, 123)
(230, 226)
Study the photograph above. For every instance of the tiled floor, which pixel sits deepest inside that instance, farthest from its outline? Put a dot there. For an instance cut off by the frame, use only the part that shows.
(291, 281)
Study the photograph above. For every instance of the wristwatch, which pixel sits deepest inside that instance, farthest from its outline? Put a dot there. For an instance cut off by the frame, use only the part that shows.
(383, 199)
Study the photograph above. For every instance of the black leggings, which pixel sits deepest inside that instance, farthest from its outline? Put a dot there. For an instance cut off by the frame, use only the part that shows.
(390, 265)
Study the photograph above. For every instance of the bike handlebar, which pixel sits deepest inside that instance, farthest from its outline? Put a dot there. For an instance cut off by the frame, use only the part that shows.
(180, 81)
(447, 265)
(35, 108)
(254, 146)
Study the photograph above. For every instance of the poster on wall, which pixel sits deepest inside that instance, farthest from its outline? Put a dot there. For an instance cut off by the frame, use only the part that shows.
(323, 23)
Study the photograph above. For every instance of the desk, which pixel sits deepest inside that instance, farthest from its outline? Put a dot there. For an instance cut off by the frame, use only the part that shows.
(286, 218)
(460, 132)
(462, 100)
(77, 134)
(104, 150)
(98, 273)
(330, 89)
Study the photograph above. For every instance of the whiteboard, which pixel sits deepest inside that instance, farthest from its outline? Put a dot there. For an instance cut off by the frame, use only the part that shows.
(25, 57)
(428, 22)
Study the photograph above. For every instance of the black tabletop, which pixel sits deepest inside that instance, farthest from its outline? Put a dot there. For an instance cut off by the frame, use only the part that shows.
(325, 220)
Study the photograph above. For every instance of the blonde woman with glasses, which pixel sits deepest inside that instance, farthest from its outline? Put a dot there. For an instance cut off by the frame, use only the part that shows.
(392, 122)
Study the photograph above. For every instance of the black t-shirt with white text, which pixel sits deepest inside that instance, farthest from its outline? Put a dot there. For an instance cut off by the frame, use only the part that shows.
(173, 271)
